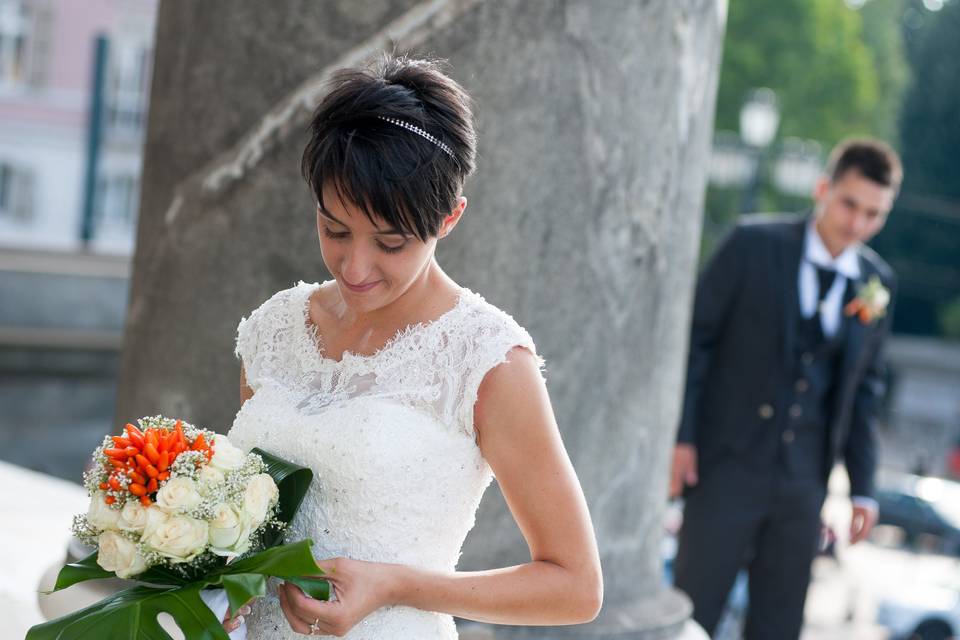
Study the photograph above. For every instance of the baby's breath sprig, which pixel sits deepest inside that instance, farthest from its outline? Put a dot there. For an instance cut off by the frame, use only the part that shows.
(82, 529)
(188, 464)
(92, 478)
(158, 422)
(97, 473)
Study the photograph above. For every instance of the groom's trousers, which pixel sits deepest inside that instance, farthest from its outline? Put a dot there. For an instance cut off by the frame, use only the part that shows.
(761, 519)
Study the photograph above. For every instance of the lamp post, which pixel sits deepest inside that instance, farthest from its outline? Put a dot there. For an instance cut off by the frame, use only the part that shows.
(759, 119)
(798, 165)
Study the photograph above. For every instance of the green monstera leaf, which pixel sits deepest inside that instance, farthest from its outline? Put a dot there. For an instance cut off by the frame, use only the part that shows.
(132, 613)
(88, 569)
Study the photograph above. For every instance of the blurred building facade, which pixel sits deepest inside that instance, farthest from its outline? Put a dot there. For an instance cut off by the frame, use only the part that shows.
(923, 423)
(74, 91)
(47, 72)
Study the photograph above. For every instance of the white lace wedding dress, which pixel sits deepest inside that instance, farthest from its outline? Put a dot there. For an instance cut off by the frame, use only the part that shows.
(398, 475)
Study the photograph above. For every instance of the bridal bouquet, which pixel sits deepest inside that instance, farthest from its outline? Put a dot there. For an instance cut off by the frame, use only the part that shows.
(180, 509)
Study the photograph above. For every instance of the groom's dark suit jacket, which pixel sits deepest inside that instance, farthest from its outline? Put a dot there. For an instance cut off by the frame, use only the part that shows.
(742, 351)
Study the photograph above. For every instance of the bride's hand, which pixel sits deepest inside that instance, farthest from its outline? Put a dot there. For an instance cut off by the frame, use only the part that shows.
(360, 588)
(232, 623)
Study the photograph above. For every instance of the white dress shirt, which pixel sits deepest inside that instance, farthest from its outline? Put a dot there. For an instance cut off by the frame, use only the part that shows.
(847, 266)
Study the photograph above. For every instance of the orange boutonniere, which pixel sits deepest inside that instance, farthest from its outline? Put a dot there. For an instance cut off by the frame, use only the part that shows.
(871, 301)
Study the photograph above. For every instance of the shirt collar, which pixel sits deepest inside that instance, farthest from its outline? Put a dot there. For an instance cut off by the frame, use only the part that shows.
(846, 264)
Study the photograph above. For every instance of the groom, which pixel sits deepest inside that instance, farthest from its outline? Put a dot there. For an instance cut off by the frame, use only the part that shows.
(784, 377)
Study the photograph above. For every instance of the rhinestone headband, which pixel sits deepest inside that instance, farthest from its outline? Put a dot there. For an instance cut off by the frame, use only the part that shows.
(420, 132)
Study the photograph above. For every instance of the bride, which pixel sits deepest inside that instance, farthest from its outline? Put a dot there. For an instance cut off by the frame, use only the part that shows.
(405, 392)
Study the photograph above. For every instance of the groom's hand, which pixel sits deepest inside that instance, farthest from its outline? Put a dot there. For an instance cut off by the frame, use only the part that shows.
(684, 469)
(862, 522)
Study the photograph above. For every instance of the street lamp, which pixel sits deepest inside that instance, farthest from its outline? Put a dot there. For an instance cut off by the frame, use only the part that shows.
(798, 165)
(759, 119)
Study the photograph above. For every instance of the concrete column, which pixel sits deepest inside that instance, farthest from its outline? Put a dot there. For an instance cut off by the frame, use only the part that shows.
(594, 120)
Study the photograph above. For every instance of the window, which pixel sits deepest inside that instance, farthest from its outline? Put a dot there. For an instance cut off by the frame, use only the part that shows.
(40, 15)
(16, 193)
(14, 29)
(116, 201)
(127, 86)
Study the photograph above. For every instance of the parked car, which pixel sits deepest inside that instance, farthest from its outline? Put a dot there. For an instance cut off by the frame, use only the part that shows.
(922, 613)
(922, 506)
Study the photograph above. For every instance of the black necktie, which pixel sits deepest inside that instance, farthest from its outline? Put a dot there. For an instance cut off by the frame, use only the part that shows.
(825, 277)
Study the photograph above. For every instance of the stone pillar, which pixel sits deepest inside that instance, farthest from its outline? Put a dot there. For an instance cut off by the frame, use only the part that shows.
(584, 219)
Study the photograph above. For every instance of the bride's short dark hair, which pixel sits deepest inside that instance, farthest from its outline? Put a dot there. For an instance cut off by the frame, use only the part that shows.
(382, 167)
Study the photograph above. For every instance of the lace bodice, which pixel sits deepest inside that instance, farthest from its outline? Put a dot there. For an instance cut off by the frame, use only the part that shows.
(389, 436)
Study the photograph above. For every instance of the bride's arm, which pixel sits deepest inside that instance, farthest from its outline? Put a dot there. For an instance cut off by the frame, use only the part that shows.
(245, 391)
(562, 583)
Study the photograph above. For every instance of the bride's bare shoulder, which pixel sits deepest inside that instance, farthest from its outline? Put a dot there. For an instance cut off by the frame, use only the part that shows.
(326, 305)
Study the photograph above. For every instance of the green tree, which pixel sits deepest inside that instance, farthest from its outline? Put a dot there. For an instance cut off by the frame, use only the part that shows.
(922, 237)
(950, 319)
(930, 124)
(814, 54)
(882, 34)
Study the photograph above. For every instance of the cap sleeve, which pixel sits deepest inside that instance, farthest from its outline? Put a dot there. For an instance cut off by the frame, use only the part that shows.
(264, 338)
(491, 337)
(246, 348)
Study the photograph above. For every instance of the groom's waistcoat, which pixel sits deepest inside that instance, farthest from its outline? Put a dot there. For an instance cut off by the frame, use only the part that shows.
(764, 383)
(798, 443)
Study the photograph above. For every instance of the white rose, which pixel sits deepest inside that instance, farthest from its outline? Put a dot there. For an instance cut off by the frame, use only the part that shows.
(119, 555)
(229, 531)
(178, 494)
(100, 515)
(210, 477)
(226, 457)
(155, 517)
(133, 517)
(180, 538)
(881, 299)
(260, 495)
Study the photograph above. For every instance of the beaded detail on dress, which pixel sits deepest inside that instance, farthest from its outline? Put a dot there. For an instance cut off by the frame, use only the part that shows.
(389, 436)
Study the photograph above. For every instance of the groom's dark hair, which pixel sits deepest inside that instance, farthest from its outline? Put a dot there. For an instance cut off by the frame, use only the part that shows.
(871, 158)
(385, 169)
